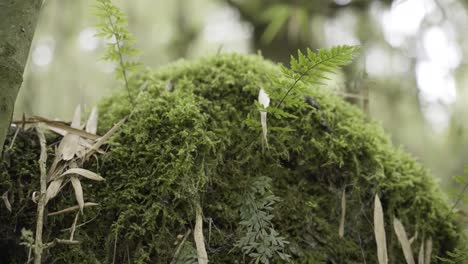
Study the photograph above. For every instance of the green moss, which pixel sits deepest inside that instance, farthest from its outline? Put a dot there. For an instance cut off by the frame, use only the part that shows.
(195, 135)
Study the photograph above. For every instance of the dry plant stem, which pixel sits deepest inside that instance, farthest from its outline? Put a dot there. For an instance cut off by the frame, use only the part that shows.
(343, 214)
(115, 247)
(176, 254)
(198, 236)
(38, 247)
(73, 228)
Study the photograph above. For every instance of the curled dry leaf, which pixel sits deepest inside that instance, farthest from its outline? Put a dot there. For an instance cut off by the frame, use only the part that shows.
(82, 172)
(404, 241)
(72, 209)
(379, 231)
(78, 191)
(34, 197)
(53, 189)
(343, 214)
(6, 201)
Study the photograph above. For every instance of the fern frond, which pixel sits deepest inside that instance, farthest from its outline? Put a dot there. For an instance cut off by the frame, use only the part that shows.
(261, 241)
(313, 68)
(113, 27)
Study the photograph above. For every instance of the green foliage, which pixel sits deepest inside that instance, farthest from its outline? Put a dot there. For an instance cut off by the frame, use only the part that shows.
(463, 182)
(261, 241)
(188, 254)
(458, 256)
(27, 238)
(120, 47)
(196, 140)
(306, 72)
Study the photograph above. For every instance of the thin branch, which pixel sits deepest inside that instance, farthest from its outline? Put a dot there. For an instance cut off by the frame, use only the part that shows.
(38, 247)
(115, 246)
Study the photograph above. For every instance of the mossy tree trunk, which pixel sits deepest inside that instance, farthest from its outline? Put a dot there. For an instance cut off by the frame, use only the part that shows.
(18, 19)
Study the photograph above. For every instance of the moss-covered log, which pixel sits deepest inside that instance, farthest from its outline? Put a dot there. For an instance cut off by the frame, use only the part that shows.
(195, 135)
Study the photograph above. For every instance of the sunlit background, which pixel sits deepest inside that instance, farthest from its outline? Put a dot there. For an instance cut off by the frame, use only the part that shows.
(412, 63)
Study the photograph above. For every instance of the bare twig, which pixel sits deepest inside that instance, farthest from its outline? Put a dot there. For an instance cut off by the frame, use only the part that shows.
(73, 227)
(115, 246)
(343, 214)
(38, 247)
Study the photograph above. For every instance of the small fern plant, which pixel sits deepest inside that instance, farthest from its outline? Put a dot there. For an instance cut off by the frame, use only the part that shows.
(120, 48)
(261, 242)
(306, 72)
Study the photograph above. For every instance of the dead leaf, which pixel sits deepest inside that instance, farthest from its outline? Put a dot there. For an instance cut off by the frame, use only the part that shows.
(59, 131)
(6, 201)
(76, 117)
(428, 251)
(198, 236)
(379, 231)
(404, 241)
(412, 239)
(34, 197)
(92, 123)
(72, 209)
(264, 100)
(85, 173)
(53, 189)
(78, 191)
(103, 140)
(70, 142)
(343, 214)
(59, 127)
(421, 254)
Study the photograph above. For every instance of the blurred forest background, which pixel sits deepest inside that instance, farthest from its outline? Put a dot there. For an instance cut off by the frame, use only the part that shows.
(412, 61)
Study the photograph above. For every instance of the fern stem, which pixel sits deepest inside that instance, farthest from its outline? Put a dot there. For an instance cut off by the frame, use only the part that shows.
(121, 60)
(459, 198)
(302, 76)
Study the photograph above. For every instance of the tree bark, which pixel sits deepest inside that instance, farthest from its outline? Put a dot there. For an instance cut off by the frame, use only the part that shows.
(18, 19)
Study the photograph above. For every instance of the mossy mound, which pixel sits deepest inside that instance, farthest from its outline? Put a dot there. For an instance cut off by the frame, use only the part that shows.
(194, 136)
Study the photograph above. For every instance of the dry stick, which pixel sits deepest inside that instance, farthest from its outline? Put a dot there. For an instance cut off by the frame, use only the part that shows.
(38, 247)
(73, 227)
(343, 214)
(115, 247)
(128, 254)
(176, 254)
(198, 236)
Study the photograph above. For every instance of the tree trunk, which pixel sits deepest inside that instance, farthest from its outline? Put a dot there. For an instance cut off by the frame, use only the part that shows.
(18, 20)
